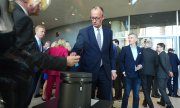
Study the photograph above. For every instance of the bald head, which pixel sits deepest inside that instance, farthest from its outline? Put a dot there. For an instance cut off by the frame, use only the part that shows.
(97, 16)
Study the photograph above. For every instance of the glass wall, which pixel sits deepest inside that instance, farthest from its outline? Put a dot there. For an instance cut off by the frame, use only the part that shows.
(154, 24)
(119, 26)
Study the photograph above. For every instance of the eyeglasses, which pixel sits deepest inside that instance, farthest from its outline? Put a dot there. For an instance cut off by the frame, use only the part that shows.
(95, 18)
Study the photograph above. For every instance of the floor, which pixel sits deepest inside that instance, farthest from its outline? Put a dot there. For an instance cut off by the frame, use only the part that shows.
(175, 102)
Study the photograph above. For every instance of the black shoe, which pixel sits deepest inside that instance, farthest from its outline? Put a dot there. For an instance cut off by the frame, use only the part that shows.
(170, 106)
(144, 104)
(161, 103)
(155, 96)
(169, 94)
(177, 96)
(117, 98)
(43, 99)
(38, 95)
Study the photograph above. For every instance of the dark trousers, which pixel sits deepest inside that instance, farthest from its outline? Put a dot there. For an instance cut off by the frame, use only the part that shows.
(162, 84)
(34, 83)
(155, 87)
(8, 92)
(118, 85)
(172, 88)
(103, 86)
(134, 84)
(146, 81)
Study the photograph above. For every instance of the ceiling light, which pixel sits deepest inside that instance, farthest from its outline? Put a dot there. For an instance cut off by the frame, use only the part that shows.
(73, 14)
(132, 2)
(42, 22)
(55, 19)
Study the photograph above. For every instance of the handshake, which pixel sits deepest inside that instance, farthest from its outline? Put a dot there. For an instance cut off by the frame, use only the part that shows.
(72, 59)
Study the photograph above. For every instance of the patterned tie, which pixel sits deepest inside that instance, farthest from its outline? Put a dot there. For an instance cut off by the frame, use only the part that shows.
(99, 38)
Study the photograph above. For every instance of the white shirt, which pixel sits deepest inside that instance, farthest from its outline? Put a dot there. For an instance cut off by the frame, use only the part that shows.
(134, 51)
(39, 42)
(101, 32)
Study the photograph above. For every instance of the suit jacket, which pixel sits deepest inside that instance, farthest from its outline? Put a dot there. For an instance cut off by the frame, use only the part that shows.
(174, 61)
(86, 45)
(150, 61)
(164, 65)
(25, 40)
(127, 62)
(59, 51)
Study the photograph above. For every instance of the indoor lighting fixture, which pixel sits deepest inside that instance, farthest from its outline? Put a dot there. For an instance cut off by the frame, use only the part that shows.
(55, 19)
(73, 14)
(42, 22)
(132, 2)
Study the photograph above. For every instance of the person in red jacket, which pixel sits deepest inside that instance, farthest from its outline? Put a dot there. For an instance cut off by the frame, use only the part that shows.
(54, 75)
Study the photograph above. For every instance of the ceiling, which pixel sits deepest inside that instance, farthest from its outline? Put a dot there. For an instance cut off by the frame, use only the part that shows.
(63, 10)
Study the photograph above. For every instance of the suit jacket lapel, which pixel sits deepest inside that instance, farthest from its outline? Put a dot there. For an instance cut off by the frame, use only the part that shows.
(131, 54)
(139, 52)
(105, 38)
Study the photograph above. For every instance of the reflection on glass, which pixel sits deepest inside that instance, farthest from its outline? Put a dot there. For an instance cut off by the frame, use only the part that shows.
(119, 26)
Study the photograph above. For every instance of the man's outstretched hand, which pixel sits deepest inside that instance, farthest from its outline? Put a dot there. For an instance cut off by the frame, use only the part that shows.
(72, 60)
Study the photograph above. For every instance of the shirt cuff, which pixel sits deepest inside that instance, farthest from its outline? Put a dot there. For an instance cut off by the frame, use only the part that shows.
(113, 71)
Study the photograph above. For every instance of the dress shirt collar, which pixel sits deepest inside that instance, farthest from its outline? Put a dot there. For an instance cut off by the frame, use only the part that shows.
(37, 38)
(95, 29)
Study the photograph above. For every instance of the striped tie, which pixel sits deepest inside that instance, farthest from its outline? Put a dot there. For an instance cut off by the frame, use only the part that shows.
(99, 38)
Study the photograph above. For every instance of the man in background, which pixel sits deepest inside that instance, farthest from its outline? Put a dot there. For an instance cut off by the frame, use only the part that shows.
(130, 64)
(150, 64)
(94, 45)
(118, 82)
(163, 73)
(174, 61)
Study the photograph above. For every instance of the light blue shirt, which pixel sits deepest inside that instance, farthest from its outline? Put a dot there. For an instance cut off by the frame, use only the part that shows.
(134, 52)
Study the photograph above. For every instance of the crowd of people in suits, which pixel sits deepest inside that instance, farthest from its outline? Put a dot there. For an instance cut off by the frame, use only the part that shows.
(159, 71)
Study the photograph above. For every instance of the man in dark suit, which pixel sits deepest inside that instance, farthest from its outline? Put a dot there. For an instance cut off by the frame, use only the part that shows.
(130, 64)
(22, 57)
(174, 61)
(150, 63)
(163, 73)
(39, 35)
(94, 45)
(118, 82)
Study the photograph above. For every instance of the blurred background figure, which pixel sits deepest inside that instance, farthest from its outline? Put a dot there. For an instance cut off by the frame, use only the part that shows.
(150, 63)
(118, 82)
(54, 75)
(163, 74)
(131, 63)
(46, 48)
(173, 81)
(68, 46)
